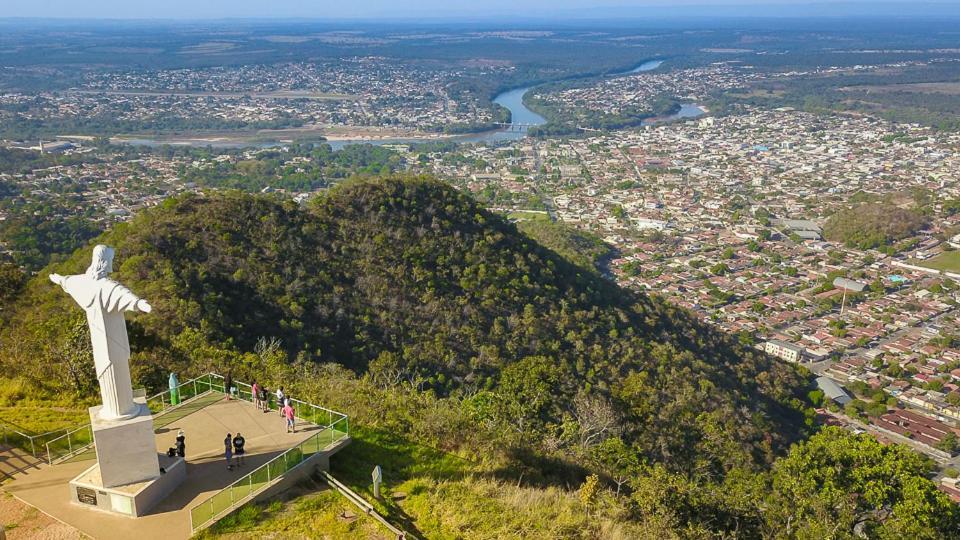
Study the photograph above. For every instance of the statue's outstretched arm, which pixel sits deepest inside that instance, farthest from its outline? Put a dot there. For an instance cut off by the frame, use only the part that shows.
(57, 278)
(120, 298)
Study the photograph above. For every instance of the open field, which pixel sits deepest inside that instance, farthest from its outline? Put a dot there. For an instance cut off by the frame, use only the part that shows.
(528, 215)
(946, 88)
(313, 132)
(948, 261)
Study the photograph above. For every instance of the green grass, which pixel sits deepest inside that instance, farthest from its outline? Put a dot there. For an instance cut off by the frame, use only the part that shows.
(37, 420)
(524, 215)
(33, 412)
(948, 261)
(308, 513)
(430, 494)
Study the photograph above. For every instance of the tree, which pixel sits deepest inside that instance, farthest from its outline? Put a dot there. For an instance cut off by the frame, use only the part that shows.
(873, 225)
(720, 269)
(11, 280)
(74, 353)
(814, 487)
(816, 397)
(949, 443)
(595, 417)
(617, 460)
(589, 491)
(528, 389)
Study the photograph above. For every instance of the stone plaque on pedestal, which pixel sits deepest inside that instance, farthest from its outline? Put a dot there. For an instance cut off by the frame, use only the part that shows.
(87, 496)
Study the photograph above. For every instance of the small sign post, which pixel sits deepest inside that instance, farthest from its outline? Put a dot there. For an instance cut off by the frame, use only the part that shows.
(377, 479)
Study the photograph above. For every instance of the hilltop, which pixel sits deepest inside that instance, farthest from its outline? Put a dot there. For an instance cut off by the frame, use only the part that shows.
(410, 279)
(440, 327)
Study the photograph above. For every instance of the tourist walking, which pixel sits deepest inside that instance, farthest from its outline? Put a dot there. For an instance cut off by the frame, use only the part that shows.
(265, 399)
(280, 400)
(238, 442)
(287, 412)
(228, 451)
(255, 390)
(228, 385)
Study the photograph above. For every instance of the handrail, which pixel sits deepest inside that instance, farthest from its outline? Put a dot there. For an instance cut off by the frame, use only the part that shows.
(362, 504)
(243, 490)
(9, 427)
(332, 416)
(74, 447)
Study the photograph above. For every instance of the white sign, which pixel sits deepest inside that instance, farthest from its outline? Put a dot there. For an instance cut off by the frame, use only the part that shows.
(377, 479)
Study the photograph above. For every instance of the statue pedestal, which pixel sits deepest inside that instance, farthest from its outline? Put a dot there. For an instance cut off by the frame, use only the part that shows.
(133, 500)
(126, 449)
(126, 478)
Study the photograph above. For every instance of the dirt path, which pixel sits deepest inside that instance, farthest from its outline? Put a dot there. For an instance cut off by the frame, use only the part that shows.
(23, 521)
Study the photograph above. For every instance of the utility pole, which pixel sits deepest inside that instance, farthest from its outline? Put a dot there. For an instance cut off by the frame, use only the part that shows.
(843, 302)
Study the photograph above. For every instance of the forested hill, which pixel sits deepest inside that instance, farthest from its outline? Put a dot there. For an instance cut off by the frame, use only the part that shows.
(408, 279)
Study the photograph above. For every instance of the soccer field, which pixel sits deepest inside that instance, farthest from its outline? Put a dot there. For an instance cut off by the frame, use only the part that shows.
(947, 261)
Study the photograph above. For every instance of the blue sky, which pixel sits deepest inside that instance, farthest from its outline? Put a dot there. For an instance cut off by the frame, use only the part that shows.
(393, 9)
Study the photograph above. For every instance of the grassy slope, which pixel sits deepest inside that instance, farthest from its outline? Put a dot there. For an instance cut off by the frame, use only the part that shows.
(430, 494)
(35, 412)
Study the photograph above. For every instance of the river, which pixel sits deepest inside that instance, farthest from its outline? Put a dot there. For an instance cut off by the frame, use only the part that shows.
(521, 119)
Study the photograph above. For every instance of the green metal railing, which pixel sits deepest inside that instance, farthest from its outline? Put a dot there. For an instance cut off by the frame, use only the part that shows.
(16, 436)
(163, 402)
(315, 414)
(75, 441)
(335, 426)
(243, 490)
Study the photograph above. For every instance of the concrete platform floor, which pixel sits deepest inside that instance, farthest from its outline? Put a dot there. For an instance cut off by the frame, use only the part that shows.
(205, 424)
(15, 461)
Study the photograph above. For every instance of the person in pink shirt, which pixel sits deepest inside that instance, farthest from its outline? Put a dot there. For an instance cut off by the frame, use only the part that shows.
(255, 390)
(288, 414)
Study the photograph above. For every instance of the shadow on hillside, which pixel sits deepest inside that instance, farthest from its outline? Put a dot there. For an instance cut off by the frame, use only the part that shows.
(399, 459)
(525, 468)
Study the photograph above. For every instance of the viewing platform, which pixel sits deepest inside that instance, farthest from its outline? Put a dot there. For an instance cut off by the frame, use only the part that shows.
(274, 459)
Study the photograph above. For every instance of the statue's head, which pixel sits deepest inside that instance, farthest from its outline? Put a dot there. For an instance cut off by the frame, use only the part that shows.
(102, 263)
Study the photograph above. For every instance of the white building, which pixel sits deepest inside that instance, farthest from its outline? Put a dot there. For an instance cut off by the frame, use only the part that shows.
(783, 350)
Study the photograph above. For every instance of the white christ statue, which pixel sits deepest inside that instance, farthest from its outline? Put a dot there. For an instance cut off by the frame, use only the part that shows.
(105, 300)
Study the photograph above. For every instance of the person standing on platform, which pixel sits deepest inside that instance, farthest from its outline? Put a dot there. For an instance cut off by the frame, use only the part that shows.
(238, 451)
(280, 400)
(228, 385)
(228, 451)
(255, 390)
(288, 413)
(181, 444)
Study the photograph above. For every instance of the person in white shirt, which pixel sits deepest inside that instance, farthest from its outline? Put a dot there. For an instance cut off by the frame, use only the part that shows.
(280, 398)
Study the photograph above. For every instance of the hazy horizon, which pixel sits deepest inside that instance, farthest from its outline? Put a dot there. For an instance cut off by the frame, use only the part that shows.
(432, 10)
